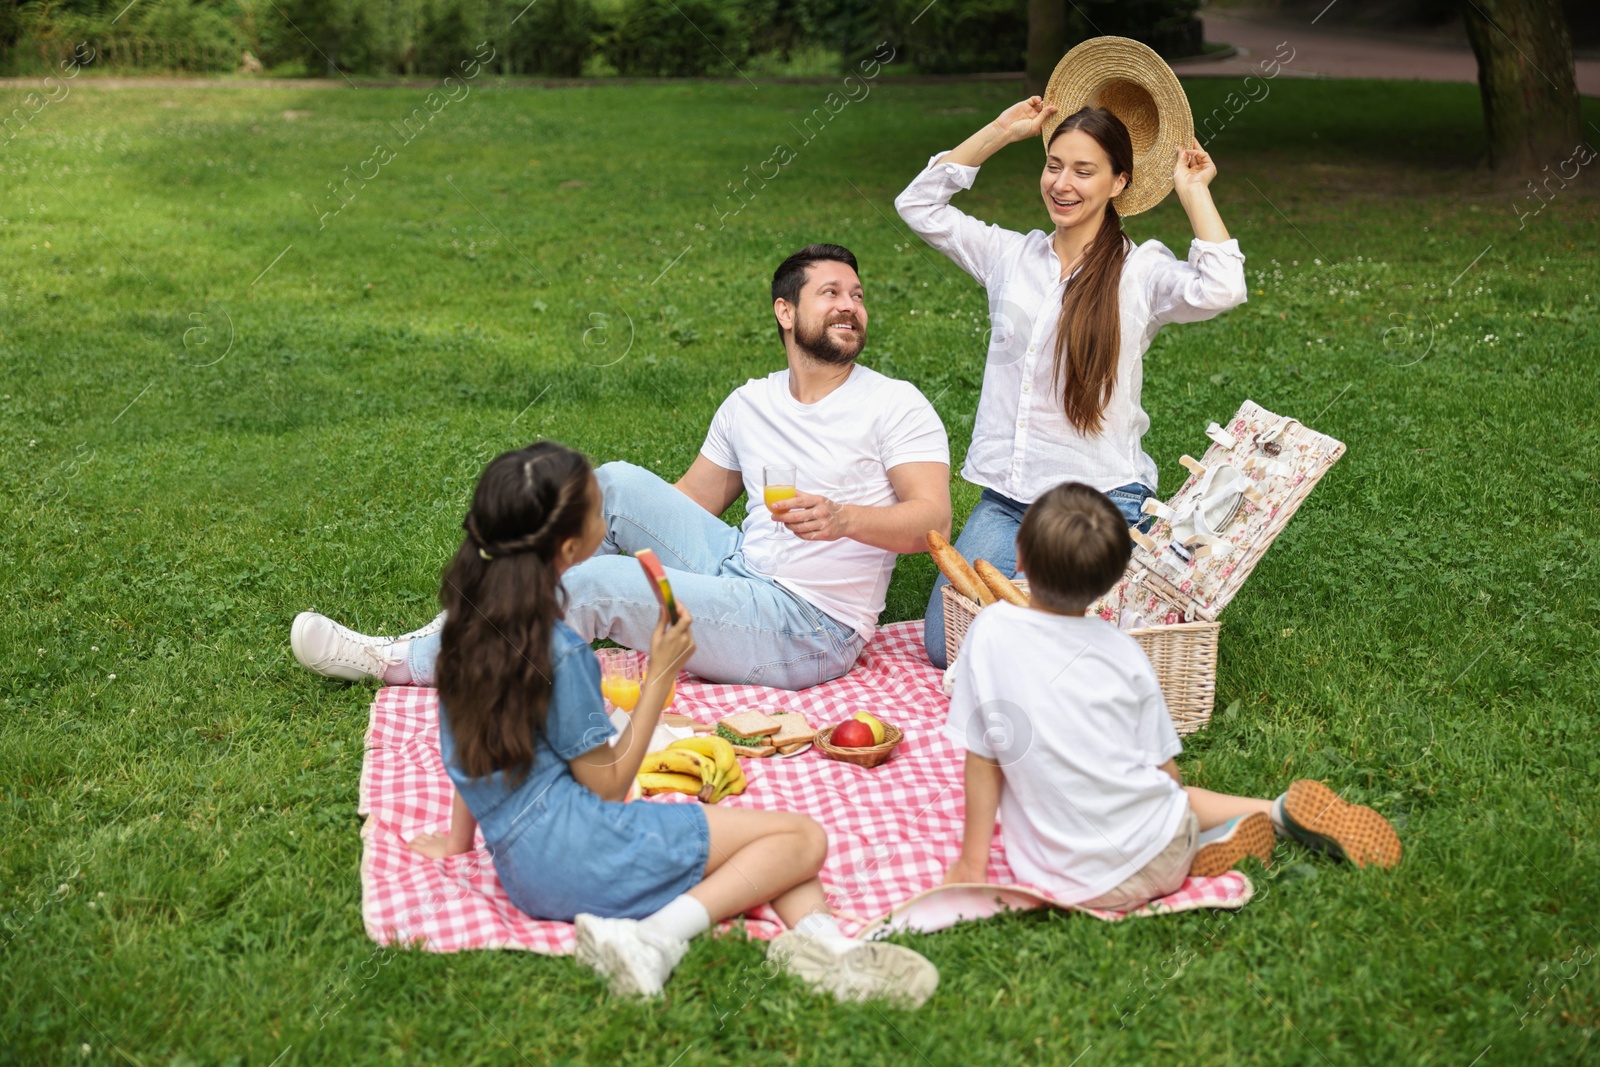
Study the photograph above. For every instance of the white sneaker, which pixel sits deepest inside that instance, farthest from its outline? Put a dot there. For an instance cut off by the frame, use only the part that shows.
(324, 647)
(636, 962)
(422, 631)
(866, 970)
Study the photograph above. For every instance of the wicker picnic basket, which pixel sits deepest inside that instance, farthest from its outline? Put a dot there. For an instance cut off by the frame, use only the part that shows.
(861, 757)
(1202, 546)
(1184, 656)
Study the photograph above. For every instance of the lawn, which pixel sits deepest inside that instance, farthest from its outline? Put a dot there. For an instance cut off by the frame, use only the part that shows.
(224, 403)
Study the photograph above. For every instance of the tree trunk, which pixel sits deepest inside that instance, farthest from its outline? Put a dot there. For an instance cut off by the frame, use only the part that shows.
(1047, 40)
(1525, 75)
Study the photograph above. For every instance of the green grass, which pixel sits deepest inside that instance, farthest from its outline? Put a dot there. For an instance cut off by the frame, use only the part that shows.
(178, 836)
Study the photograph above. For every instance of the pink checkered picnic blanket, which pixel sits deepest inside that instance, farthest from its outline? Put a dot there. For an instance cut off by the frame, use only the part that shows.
(893, 830)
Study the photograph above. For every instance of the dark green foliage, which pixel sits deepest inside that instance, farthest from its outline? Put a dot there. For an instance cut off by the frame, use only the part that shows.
(673, 39)
(451, 29)
(1168, 26)
(552, 37)
(328, 36)
(979, 35)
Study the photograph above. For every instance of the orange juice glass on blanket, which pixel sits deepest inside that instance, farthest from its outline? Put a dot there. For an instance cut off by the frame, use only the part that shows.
(622, 672)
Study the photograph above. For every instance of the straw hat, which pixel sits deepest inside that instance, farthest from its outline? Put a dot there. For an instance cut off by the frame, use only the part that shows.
(1136, 85)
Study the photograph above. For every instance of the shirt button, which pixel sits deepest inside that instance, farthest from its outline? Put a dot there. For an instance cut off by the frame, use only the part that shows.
(1027, 388)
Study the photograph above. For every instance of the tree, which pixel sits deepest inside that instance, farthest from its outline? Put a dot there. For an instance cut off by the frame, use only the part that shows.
(1047, 40)
(1526, 78)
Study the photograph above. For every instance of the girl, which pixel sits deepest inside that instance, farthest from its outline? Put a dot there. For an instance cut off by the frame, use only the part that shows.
(1073, 313)
(523, 732)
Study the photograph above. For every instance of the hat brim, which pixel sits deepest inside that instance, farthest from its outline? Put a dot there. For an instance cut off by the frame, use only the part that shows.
(1131, 81)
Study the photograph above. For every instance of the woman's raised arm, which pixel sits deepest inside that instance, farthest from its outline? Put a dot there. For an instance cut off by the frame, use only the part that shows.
(1018, 122)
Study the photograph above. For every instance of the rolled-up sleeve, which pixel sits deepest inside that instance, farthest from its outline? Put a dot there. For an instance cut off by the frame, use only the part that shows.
(976, 247)
(1210, 282)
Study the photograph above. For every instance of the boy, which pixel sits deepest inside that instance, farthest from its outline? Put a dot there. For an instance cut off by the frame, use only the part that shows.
(1068, 737)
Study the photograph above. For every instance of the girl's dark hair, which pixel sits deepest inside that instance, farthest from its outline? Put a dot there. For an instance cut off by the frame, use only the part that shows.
(1089, 332)
(1074, 546)
(502, 595)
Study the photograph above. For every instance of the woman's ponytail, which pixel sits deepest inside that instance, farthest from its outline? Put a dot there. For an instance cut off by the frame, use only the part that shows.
(1089, 331)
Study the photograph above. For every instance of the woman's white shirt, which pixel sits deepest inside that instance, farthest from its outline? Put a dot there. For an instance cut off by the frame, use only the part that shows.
(1022, 443)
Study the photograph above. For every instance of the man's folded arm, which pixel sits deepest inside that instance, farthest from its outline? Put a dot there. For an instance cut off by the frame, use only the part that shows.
(924, 492)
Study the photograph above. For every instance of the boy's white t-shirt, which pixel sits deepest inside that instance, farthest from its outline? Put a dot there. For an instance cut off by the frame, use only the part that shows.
(1070, 708)
(841, 447)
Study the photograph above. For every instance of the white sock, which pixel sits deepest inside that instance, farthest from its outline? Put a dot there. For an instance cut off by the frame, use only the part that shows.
(683, 919)
(825, 928)
(398, 672)
(1277, 815)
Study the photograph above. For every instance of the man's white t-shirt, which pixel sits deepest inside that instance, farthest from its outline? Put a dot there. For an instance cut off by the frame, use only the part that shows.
(841, 448)
(1070, 708)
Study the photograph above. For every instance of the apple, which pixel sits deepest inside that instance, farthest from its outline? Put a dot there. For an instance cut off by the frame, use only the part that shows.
(874, 724)
(852, 734)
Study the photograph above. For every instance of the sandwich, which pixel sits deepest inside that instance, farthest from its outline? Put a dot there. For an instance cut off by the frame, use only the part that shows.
(795, 736)
(750, 732)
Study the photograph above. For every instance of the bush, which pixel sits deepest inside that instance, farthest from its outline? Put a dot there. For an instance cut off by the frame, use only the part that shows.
(672, 39)
(329, 35)
(978, 35)
(163, 35)
(1168, 26)
(554, 37)
(451, 32)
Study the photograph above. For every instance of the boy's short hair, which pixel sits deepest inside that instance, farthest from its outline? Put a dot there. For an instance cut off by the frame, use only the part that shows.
(1074, 546)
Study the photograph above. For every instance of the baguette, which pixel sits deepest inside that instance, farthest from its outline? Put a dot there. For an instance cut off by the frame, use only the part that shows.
(955, 568)
(999, 585)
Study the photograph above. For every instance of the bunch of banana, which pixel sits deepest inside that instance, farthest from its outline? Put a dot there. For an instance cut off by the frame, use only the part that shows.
(702, 766)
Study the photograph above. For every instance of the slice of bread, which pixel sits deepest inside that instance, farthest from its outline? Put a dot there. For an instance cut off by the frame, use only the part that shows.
(754, 752)
(795, 730)
(794, 749)
(750, 725)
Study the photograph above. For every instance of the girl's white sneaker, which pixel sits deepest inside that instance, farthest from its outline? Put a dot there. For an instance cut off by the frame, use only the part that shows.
(324, 647)
(635, 961)
(857, 970)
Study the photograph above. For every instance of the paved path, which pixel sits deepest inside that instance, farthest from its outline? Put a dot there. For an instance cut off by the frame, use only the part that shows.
(1329, 52)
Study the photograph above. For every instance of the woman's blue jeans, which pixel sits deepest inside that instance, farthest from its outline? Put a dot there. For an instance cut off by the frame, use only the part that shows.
(991, 533)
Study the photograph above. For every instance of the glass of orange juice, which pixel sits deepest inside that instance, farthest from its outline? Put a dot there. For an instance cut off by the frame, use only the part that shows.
(779, 485)
(622, 673)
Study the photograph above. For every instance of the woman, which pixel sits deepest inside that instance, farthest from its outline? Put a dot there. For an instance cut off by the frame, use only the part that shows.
(1073, 312)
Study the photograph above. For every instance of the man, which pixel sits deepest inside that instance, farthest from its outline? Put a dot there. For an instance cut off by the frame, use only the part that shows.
(788, 599)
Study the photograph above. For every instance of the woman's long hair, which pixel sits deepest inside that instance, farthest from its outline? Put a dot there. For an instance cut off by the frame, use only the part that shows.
(1089, 332)
(503, 595)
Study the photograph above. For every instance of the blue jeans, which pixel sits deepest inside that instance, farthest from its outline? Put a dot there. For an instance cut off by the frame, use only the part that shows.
(747, 628)
(991, 533)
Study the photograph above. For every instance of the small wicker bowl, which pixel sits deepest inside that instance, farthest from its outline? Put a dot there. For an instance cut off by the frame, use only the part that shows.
(861, 757)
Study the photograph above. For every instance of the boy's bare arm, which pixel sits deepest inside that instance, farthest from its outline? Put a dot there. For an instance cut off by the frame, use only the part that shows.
(1171, 767)
(982, 778)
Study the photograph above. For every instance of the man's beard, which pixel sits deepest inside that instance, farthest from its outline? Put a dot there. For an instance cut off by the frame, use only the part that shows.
(824, 344)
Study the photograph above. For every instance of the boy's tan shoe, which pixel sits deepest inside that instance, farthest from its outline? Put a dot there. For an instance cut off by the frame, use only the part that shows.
(1317, 816)
(1248, 835)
